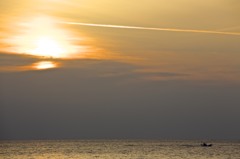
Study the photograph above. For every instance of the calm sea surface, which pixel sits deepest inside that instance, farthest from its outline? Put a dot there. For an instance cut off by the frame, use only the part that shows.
(117, 149)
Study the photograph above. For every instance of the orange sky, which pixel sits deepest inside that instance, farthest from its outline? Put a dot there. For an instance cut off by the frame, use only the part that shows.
(32, 27)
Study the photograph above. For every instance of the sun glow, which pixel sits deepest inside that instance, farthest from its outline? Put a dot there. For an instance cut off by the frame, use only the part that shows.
(44, 65)
(43, 37)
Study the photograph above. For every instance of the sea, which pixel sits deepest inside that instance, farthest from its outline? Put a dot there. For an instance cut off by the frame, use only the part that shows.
(118, 149)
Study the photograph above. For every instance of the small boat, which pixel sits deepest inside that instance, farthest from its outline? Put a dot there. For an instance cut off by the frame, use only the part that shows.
(206, 145)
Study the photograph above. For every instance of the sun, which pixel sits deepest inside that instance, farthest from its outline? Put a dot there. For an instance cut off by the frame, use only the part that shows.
(48, 47)
(45, 38)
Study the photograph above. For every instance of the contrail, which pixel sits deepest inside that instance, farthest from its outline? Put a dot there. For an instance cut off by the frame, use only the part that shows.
(154, 29)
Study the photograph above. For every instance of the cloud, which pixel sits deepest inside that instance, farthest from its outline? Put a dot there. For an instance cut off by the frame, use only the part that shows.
(133, 72)
(77, 102)
(153, 29)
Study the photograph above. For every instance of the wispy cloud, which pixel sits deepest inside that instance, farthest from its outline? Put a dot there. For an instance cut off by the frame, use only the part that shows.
(154, 29)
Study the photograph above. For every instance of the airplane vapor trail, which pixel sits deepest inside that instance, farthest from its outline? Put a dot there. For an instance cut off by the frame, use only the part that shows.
(154, 29)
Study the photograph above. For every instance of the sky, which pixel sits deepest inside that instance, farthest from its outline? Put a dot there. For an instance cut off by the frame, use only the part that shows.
(91, 69)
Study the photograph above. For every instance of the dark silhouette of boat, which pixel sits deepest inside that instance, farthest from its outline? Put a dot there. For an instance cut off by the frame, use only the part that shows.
(206, 145)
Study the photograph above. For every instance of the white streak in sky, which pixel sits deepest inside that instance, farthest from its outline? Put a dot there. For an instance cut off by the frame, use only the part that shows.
(155, 29)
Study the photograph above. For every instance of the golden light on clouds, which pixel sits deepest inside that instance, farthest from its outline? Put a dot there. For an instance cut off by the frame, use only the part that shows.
(178, 42)
(45, 38)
